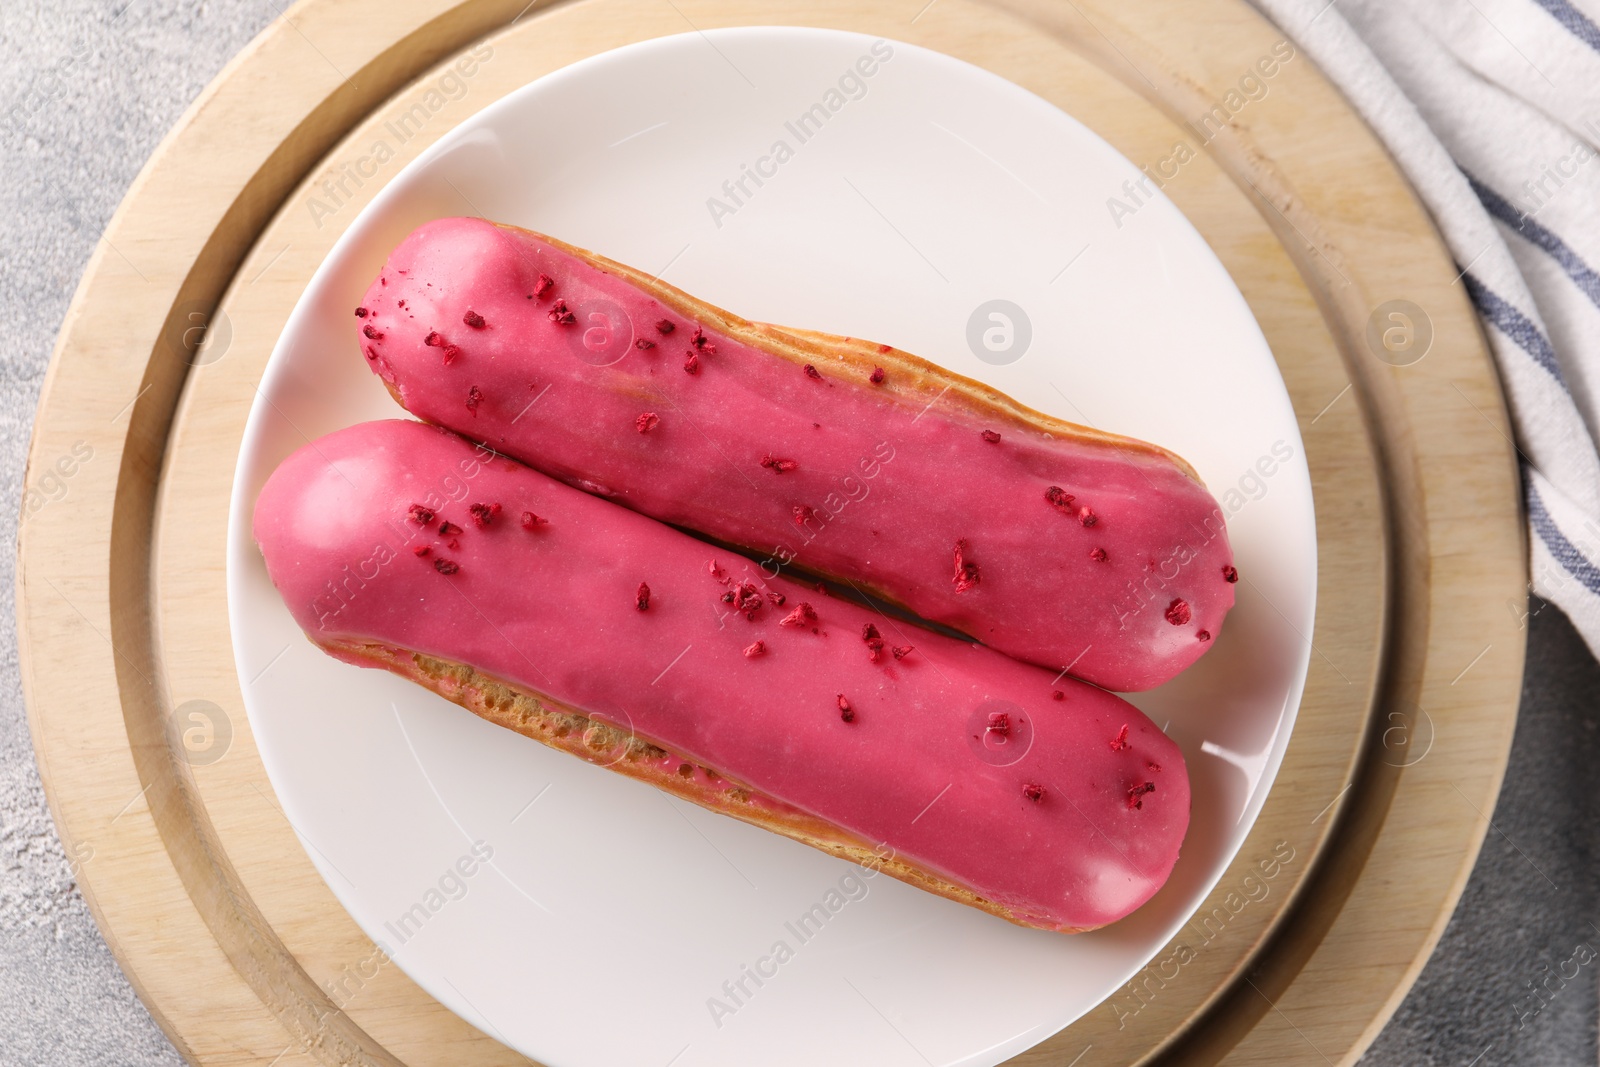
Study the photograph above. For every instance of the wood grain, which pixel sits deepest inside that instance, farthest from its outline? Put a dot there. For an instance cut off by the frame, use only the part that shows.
(205, 892)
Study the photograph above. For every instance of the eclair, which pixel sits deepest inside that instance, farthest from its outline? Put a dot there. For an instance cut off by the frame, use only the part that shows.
(1054, 543)
(614, 637)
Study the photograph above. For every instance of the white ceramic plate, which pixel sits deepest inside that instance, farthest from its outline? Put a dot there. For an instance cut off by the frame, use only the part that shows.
(611, 920)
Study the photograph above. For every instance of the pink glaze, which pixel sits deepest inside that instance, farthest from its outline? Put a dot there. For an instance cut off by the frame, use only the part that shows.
(893, 476)
(554, 609)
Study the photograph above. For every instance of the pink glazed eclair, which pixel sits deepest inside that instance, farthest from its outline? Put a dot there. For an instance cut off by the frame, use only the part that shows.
(618, 639)
(1053, 543)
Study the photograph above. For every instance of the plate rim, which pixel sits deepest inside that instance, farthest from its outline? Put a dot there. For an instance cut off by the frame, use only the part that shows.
(615, 63)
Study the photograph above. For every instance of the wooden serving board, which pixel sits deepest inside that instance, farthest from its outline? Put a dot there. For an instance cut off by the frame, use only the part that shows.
(201, 886)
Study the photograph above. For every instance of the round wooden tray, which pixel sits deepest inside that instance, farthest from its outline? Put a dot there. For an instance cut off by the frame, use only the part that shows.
(201, 886)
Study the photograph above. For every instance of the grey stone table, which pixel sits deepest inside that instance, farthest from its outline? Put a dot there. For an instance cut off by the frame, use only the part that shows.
(89, 89)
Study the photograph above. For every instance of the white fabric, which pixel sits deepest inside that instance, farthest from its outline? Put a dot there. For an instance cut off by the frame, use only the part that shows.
(1492, 109)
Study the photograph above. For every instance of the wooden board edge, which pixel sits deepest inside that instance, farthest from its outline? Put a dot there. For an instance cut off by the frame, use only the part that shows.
(24, 593)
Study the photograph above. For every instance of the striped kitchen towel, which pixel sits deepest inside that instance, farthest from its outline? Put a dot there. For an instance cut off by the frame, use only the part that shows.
(1492, 109)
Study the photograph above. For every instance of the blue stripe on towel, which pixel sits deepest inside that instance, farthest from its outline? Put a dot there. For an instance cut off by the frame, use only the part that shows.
(1514, 324)
(1565, 553)
(1582, 275)
(1576, 22)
